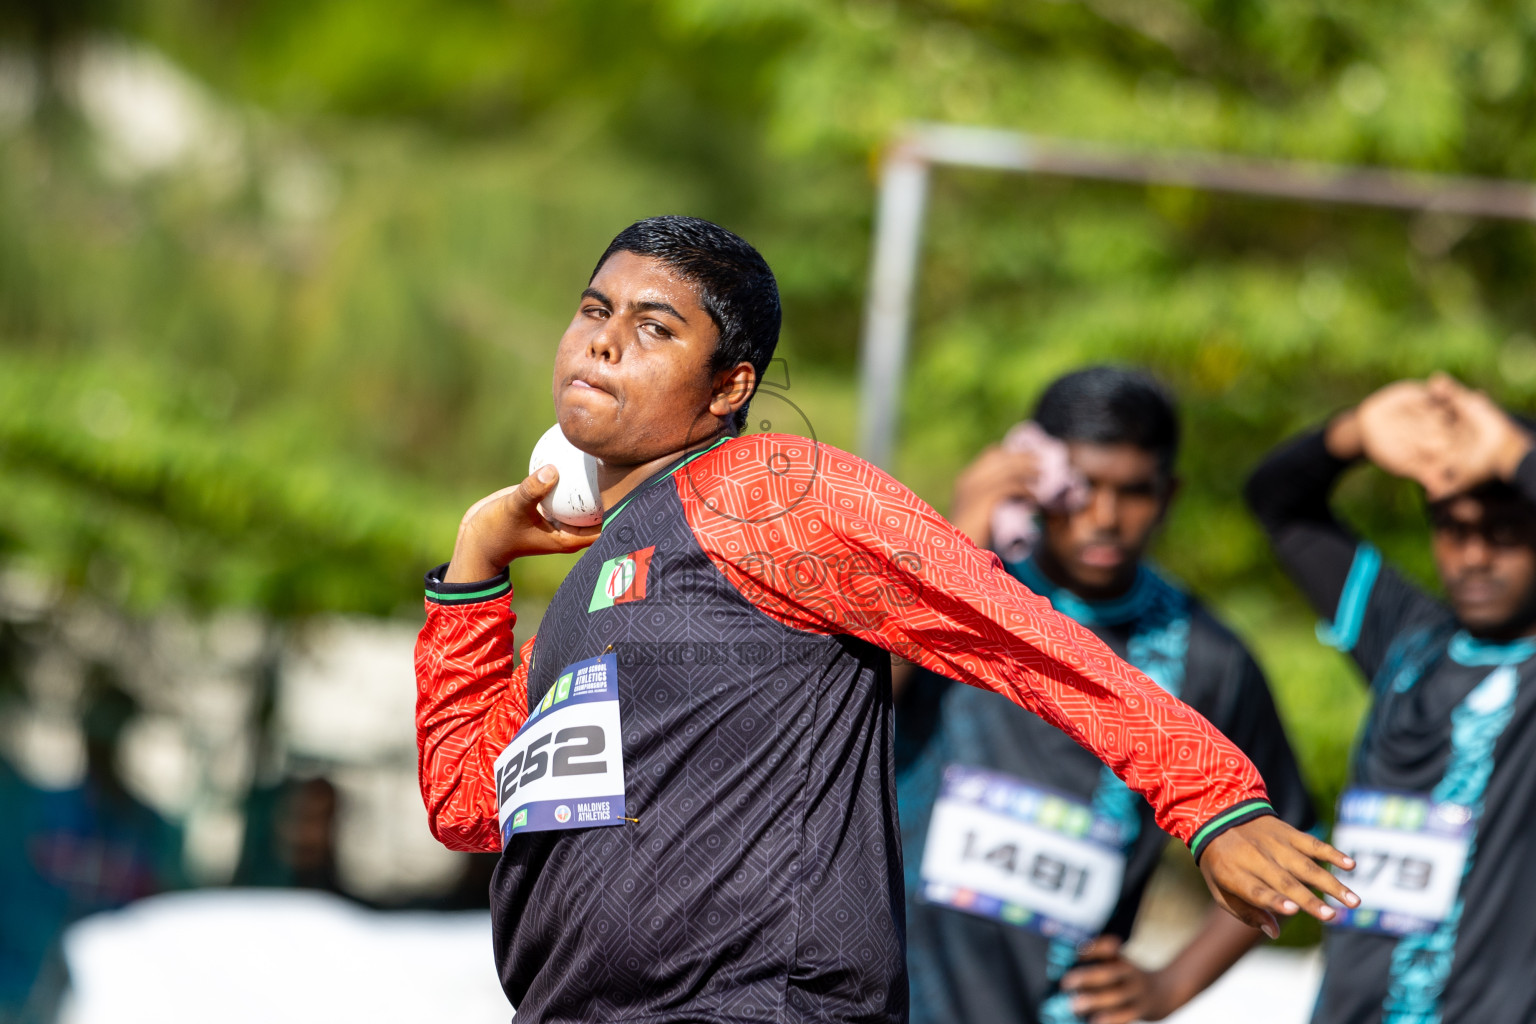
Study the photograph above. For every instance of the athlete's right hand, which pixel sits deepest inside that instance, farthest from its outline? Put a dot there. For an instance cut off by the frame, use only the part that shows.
(996, 475)
(1484, 442)
(1265, 867)
(508, 525)
(1439, 433)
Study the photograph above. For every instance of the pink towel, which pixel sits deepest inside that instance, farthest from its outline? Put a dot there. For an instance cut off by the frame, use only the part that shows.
(1058, 488)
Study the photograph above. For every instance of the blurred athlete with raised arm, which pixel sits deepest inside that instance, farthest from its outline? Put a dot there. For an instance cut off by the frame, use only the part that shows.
(1443, 780)
(1097, 464)
(690, 772)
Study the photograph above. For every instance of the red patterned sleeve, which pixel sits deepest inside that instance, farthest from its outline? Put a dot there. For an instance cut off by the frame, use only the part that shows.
(825, 542)
(469, 702)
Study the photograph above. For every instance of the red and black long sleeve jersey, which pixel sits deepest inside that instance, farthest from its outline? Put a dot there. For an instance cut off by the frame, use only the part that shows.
(761, 877)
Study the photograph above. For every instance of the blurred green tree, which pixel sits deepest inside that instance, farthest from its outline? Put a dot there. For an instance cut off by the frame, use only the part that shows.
(270, 371)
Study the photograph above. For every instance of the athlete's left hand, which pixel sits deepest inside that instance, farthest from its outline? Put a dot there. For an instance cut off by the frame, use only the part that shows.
(1485, 443)
(1109, 989)
(1265, 867)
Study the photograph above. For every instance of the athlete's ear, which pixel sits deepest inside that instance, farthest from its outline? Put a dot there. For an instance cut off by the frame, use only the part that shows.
(733, 389)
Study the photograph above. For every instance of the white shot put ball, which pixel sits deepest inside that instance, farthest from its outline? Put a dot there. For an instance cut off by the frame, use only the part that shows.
(576, 500)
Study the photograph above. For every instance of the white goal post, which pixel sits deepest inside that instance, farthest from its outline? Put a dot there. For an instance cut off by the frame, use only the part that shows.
(910, 157)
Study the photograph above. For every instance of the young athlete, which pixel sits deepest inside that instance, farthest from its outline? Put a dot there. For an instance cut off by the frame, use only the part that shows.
(712, 684)
(1443, 781)
(1118, 430)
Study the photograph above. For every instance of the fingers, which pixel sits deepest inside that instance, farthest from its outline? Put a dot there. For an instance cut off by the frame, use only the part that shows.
(1286, 888)
(574, 538)
(1251, 915)
(1287, 898)
(1107, 992)
(1105, 947)
(1124, 1015)
(1004, 474)
(1114, 1004)
(1099, 977)
(1445, 388)
(1301, 864)
(536, 486)
(541, 534)
(1314, 848)
(1269, 866)
(1308, 877)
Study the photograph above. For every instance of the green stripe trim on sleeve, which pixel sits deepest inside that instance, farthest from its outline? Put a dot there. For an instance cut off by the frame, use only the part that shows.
(477, 595)
(1246, 809)
(439, 592)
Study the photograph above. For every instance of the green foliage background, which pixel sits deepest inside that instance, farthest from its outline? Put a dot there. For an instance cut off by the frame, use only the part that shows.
(278, 386)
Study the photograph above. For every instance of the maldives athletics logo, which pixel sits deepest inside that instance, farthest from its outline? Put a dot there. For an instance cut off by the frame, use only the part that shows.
(622, 579)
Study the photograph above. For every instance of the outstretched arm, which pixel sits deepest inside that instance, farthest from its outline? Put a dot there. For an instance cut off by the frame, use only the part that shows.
(861, 555)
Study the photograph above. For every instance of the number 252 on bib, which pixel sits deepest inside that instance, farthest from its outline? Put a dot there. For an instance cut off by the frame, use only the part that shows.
(565, 767)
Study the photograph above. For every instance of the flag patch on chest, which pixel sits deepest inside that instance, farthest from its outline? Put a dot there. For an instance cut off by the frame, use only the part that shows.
(622, 579)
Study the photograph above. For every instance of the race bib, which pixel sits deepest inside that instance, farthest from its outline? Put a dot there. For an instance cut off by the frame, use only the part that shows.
(565, 766)
(1410, 854)
(1005, 849)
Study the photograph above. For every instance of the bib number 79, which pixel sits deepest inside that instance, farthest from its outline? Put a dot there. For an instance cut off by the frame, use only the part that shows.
(1377, 867)
(530, 764)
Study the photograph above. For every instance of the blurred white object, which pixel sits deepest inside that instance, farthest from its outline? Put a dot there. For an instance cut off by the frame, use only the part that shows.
(1057, 488)
(576, 500)
(347, 692)
(1268, 986)
(347, 701)
(150, 116)
(261, 955)
(254, 956)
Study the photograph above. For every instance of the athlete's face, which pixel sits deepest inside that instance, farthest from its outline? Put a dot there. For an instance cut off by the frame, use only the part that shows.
(1486, 553)
(632, 377)
(1094, 550)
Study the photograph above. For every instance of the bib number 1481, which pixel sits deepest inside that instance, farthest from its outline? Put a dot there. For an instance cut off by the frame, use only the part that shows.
(1007, 849)
(1039, 869)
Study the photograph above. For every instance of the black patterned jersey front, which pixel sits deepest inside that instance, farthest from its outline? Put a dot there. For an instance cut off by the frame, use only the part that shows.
(748, 597)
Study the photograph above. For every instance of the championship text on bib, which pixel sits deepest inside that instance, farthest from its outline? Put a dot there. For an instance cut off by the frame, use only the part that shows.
(565, 766)
(1410, 854)
(1003, 848)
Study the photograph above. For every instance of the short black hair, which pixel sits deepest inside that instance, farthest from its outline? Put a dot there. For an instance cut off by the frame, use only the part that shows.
(1112, 405)
(736, 287)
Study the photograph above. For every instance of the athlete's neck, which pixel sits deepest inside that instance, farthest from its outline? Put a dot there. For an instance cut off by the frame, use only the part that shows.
(1505, 634)
(1053, 570)
(617, 482)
